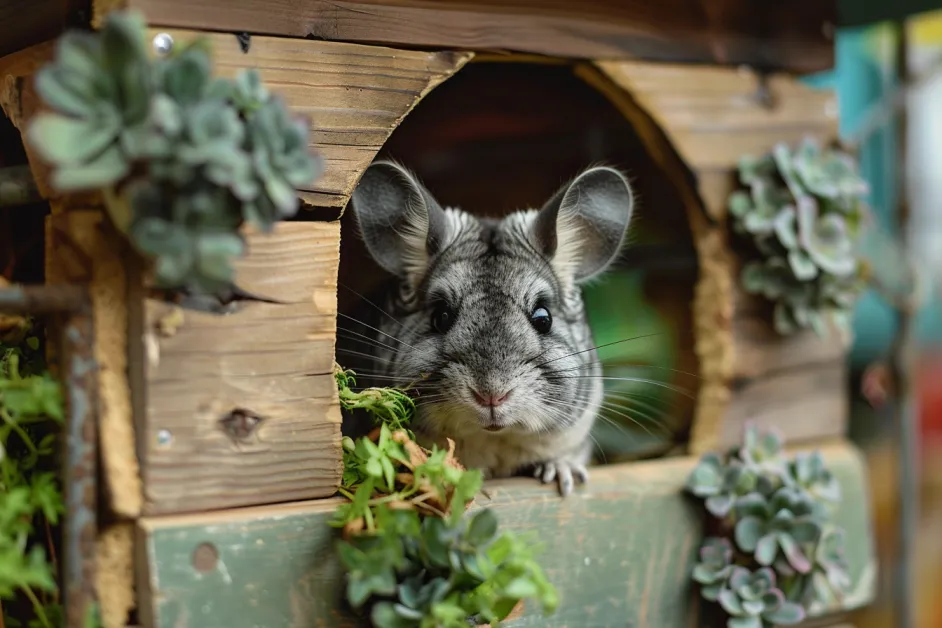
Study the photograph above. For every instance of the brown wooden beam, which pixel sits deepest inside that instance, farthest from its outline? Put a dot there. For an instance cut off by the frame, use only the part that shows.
(792, 36)
(24, 23)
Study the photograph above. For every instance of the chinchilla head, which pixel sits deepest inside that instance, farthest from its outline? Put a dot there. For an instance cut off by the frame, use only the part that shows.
(488, 313)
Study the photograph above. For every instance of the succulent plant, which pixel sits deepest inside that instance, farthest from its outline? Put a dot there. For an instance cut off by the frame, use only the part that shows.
(435, 570)
(830, 578)
(777, 510)
(802, 213)
(720, 483)
(715, 566)
(184, 159)
(810, 472)
(783, 522)
(753, 601)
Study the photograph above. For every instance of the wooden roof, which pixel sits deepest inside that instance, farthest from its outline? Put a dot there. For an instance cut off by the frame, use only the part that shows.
(794, 36)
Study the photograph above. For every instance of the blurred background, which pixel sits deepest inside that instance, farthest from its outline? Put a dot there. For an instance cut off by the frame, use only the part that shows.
(868, 71)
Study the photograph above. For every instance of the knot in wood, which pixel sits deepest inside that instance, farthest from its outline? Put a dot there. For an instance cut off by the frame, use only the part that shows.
(239, 424)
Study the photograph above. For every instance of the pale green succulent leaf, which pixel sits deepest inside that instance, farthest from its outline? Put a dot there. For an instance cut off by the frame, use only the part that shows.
(68, 141)
(108, 168)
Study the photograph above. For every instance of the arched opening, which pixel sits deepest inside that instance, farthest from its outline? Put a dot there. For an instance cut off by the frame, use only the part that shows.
(502, 136)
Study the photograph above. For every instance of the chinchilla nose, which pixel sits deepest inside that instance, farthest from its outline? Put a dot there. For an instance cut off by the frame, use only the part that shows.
(490, 400)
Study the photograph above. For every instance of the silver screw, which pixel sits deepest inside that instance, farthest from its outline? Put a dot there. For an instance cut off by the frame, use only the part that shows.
(163, 43)
(164, 438)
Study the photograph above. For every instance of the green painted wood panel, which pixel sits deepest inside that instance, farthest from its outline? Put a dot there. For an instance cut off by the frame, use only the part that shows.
(620, 553)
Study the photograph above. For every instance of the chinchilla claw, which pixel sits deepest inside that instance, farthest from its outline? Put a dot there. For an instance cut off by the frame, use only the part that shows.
(565, 473)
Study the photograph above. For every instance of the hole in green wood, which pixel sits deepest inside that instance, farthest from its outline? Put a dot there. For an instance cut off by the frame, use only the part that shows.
(205, 557)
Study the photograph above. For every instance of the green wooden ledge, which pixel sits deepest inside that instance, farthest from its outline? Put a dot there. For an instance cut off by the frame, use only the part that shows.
(620, 553)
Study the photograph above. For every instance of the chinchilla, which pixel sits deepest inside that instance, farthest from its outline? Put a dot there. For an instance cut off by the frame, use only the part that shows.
(484, 318)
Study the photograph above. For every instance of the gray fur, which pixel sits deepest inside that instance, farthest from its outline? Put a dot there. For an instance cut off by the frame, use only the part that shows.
(493, 273)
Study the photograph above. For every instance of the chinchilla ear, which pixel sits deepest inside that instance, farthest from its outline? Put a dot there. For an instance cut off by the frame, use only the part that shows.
(402, 225)
(582, 227)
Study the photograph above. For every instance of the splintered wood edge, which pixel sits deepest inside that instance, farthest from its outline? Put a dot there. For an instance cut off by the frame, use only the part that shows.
(114, 575)
(712, 306)
(521, 505)
(84, 237)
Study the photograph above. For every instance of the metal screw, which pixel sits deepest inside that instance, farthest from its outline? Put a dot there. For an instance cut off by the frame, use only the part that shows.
(163, 43)
(164, 437)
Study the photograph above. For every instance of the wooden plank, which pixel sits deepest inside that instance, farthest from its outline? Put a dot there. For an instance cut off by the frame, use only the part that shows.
(761, 351)
(273, 360)
(82, 247)
(620, 553)
(713, 115)
(24, 23)
(793, 36)
(806, 403)
(354, 95)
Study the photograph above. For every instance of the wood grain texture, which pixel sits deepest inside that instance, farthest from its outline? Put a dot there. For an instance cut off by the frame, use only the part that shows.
(354, 95)
(805, 403)
(114, 576)
(712, 116)
(620, 553)
(273, 360)
(81, 247)
(793, 36)
(24, 23)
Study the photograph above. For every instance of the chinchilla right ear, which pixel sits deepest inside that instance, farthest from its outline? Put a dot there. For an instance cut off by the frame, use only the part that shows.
(402, 225)
(582, 227)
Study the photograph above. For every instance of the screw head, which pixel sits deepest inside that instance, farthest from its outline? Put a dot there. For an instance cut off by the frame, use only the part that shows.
(163, 43)
(164, 437)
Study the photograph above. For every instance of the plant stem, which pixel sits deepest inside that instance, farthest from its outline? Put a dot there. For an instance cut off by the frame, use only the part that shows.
(16, 427)
(37, 606)
(52, 555)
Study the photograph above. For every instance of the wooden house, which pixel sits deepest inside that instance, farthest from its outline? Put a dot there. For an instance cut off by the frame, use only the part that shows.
(220, 436)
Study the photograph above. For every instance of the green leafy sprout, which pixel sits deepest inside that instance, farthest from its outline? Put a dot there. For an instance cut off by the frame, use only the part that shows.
(413, 556)
(802, 212)
(31, 504)
(785, 555)
(183, 159)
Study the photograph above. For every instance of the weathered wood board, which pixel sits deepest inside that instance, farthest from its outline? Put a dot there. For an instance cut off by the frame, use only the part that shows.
(797, 36)
(273, 360)
(710, 117)
(354, 95)
(619, 552)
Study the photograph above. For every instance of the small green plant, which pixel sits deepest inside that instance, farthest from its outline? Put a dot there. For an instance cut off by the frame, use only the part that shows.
(31, 413)
(183, 159)
(802, 212)
(784, 554)
(412, 554)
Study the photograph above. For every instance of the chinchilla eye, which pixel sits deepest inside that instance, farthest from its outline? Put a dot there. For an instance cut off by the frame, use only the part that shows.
(443, 317)
(541, 320)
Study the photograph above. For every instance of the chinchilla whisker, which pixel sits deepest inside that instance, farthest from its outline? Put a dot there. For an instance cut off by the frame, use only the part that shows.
(402, 342)
(362, 355)
(363, 339)
(634, 397)
(640, 380)
(607, 344)
(603, 364)
(620, 413)
(376, 307)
